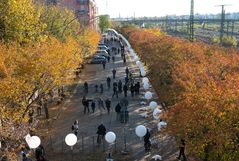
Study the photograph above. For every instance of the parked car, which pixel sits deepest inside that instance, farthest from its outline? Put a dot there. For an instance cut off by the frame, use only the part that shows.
(102, 53)
(98, 59)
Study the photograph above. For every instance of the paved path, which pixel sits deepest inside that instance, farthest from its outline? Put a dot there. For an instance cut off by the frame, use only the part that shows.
(88, 123)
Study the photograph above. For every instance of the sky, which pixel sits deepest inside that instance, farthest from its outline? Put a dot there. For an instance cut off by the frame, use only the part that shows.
(151, 8)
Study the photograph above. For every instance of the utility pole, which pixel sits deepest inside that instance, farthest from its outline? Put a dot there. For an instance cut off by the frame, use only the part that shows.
(191, 23)
(222, 22)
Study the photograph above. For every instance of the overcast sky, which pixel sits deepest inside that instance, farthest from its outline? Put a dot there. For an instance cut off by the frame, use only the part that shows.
(151, 8)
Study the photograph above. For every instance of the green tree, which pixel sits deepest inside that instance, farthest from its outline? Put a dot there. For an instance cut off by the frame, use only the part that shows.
(61, 22)
(20, 21)
(104, 22)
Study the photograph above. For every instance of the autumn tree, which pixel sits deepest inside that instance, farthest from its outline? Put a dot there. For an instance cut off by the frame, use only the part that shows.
(20, 21)
(199, 83)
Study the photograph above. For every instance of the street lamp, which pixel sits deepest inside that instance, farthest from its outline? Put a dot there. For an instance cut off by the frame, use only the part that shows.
(110, 138)
(71, 140)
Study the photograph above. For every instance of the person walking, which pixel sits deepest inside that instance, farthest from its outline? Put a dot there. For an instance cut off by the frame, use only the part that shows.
(103, 63)
(115, 91)
(114, 73)
(137, 88)
(132, 89)
(96, 88)
(124, 59)
(120, 86)
(127, 72)
(117, 110)
(40, 153)
(182, 150)
(85, 103)
(101, 88)
(101, 131)
(108, 58)
(108, 105)
(93, 106)
(100, 104)
(147, 143)
(125, 88)
(113, 59)
(75, 127)
(108, 82)
(86, 87)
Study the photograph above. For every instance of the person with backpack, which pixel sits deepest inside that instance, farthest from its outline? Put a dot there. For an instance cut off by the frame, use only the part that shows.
(108, 80)
(101, 131)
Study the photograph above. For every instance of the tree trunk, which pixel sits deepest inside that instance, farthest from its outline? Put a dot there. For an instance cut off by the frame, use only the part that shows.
(46, 110)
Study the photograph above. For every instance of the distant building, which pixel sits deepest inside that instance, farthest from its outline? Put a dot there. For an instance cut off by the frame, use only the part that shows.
(85, 10)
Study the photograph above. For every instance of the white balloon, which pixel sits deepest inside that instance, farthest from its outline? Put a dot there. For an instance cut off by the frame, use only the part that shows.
(110, 137)
(71, 139)
(148, 95)
(145, 80)
(156, 113)
(140, 130)
(143, 73)
(34, 142)
(153, 104)
(146, 86)
(161, 124)
(136, 58)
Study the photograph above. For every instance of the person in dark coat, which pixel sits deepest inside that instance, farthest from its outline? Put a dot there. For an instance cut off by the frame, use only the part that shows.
(39, 152)
(103, 63)
(96, 88)
(137, 88)
(101, 131)
(125, 88)
(101, 88)
(120, 86)
(108, 82)
(108, 105)
(132, 89)
(93, 106)
(86, 87)
(182, 150)
(147, 143)
(75, 127)
(126, 80)
(108, 58)
(113, 59)
(114, 73)
(117, 110)
(115, 91)
(127, 71)
(124, 59)
(85, 103)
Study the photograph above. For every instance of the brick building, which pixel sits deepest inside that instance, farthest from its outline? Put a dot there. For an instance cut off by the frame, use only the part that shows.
(86, 10)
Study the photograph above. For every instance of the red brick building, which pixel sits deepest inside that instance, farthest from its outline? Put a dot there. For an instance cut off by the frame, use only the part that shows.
(86, 10)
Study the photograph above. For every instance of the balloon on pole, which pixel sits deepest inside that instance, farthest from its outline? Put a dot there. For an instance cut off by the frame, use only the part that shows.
(153, 105)
(145, 80)
(146, 85)
(110, 137)
(71, 139)
(143, 73)
(140, 130)
(148, 95)
(34, 142)
(156, 113)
